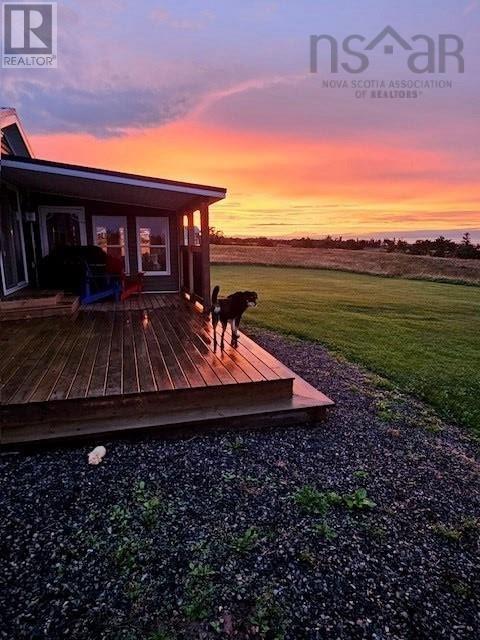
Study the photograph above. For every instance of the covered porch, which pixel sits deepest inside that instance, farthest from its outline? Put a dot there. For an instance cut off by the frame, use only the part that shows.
(152, 226)
(145, 364)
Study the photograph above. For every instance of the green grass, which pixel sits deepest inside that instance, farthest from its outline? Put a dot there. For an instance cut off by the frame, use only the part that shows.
(423, 336)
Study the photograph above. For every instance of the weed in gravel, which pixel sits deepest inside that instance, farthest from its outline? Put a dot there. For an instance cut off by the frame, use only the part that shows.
(200, 570)
(237, 445)
(306, 557)
(455, 584)
(126, 554)
(245, 542)
(315, 502)
(120, 517)
(325, 530)
(377, 531)
(150, 504)
(160, 635)
(150, 510)
(382, 383)
(202, 547)
(449, 533)
(266, 620)
(199, 592)
(470, 525)
(361, 474)
(91, 540)
(229, 477)
(466, 528)
(460, 587)
(358, 500)
(426, 420)
(136, 590)
(386, 411)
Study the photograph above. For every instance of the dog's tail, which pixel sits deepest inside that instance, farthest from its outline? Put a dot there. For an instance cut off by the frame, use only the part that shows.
(215, 292)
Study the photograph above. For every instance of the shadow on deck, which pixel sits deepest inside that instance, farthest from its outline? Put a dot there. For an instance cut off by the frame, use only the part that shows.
(147, 363)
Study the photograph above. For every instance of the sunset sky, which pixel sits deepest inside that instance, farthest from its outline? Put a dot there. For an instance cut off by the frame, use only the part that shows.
(220, 93)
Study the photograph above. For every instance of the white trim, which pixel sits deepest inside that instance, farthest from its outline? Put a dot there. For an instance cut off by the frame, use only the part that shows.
(102, 177)
(167, 246)
(125, 235)
(42, 212)
(19, 287)
(23, 283)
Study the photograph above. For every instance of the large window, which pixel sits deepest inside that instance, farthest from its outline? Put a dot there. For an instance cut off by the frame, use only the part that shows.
(110, 233)
(153, 243)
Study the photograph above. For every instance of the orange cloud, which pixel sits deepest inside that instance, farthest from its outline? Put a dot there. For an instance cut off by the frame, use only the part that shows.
(290, 185)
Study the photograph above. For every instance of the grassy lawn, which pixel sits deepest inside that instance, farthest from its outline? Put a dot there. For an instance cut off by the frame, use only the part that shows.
(424, 336)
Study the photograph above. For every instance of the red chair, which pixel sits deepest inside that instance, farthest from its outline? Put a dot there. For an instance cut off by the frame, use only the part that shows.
(130, 285)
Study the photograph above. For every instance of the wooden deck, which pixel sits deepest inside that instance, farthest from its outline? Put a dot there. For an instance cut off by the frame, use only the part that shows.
(114, 365)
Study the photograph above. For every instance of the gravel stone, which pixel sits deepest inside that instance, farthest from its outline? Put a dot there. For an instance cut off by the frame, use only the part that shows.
(204, 537)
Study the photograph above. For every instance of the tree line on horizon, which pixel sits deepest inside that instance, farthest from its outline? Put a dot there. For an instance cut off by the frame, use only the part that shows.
(440, 247)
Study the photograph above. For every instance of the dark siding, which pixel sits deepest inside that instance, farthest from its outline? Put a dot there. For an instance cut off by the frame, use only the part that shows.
(92, 208)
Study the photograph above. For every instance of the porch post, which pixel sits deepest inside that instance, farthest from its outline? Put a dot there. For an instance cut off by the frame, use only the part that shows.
(205, 250)
(190, 256)
(181, 275)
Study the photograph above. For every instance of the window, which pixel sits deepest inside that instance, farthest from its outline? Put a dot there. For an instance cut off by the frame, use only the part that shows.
(153, 243)
(110, 233)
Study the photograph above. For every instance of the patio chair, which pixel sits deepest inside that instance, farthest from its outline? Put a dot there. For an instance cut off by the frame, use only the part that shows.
(100, 284)
(129, 284)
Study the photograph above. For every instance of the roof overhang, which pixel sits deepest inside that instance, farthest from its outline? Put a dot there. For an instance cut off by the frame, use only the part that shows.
(87, 183)
(9, 121)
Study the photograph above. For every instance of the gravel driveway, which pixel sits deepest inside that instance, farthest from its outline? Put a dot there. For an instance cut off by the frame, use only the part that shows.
(366, 526)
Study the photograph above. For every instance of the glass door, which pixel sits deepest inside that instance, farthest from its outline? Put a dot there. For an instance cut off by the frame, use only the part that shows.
(62, 227)
(14, 273)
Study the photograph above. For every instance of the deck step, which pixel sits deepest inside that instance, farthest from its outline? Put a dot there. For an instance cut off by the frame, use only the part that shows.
(60, 418)
(299, 409)
(57, 304)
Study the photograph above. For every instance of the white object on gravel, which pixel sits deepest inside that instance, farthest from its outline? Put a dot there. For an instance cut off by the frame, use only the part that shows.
(95, 456)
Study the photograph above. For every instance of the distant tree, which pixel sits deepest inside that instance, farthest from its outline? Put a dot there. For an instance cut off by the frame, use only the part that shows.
(442, 247)
(419, 248)
(389, 245)
(216, 235)
(466, 250)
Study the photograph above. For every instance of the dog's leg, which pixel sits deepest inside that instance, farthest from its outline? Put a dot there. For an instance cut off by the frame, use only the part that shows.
(234, 332)
(214, 325)
(237, 324)
(222, 342)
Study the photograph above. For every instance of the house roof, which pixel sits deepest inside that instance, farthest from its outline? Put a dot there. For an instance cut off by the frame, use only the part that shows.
(110, 186)
(12, 130)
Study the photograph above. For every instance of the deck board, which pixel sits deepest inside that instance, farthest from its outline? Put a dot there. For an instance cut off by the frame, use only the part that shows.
(129, 357)
(74, 358)
(98, 377)
(175, 370)
(150, 343)
(114, 372)
(146, 378)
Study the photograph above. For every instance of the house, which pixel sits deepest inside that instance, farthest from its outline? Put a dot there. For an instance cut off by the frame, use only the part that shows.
(147, 363)
(149, 222)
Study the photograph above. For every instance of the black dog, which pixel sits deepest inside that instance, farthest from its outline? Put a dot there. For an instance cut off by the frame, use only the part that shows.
(230, 310)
